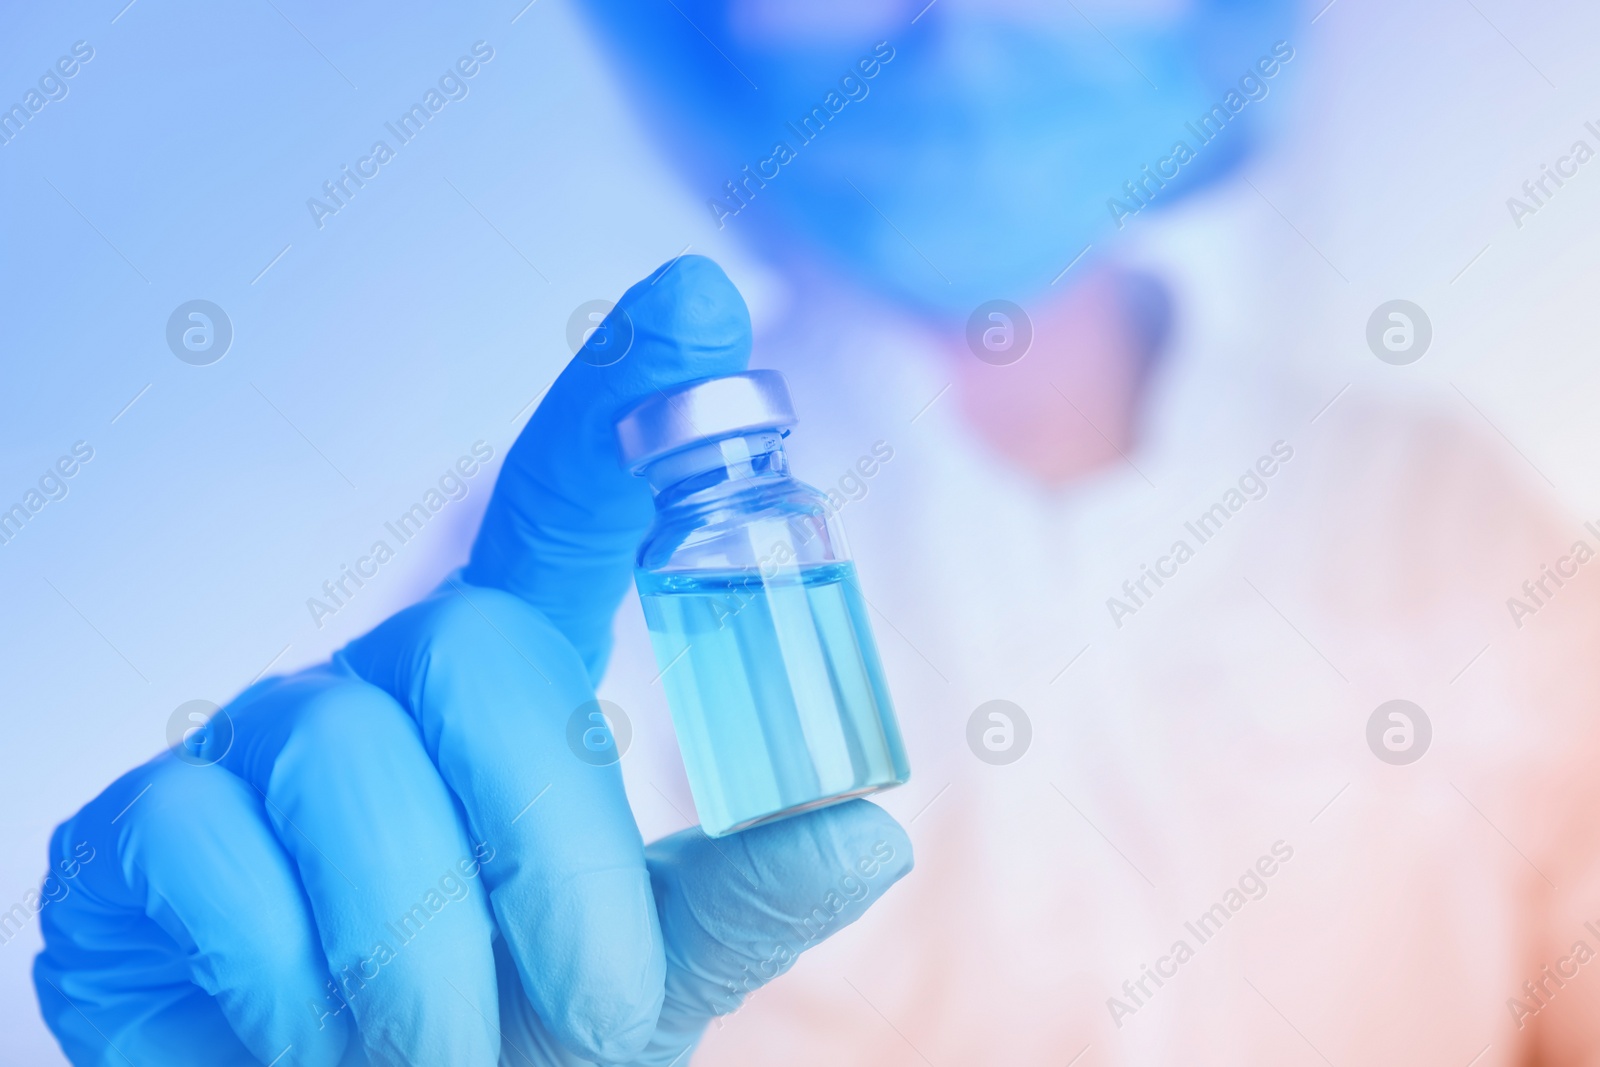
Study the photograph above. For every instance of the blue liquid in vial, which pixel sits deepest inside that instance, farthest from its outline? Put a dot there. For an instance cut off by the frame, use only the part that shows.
(776, 691)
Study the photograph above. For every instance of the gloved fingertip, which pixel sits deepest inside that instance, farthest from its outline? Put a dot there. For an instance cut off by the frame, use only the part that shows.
(862, 823)
(691, 306)
(852, 835)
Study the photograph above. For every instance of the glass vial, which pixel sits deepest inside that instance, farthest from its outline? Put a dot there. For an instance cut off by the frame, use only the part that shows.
(759, 628)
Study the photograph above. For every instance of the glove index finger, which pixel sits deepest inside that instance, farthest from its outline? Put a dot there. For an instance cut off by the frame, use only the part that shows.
(502, 702)
(566, 518)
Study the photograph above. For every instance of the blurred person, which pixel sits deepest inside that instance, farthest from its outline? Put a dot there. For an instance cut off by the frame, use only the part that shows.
(1179, 840)
(1196, 720)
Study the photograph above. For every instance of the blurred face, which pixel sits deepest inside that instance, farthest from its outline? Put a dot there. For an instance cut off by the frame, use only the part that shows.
(779, 21)
(1070, 406)
(944, 154)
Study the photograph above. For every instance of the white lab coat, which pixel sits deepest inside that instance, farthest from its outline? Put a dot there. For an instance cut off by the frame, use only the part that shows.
(1220, 727)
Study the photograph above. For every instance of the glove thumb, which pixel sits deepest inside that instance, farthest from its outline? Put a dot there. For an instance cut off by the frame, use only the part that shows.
(736, 912)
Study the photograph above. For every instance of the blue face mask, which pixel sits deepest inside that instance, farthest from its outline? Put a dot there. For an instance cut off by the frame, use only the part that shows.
(966, 158)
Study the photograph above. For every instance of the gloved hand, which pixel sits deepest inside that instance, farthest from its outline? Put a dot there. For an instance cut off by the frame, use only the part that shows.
(400, 860)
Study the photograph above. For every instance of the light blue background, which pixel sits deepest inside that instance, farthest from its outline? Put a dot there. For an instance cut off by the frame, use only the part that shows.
(410, 326)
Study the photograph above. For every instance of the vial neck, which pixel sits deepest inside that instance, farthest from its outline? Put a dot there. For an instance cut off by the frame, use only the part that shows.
(715, 466)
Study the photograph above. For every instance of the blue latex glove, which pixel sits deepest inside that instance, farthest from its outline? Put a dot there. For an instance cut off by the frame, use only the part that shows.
(362, 878)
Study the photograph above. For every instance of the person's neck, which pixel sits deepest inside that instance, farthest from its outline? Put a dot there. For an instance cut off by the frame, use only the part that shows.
(1070, 406)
